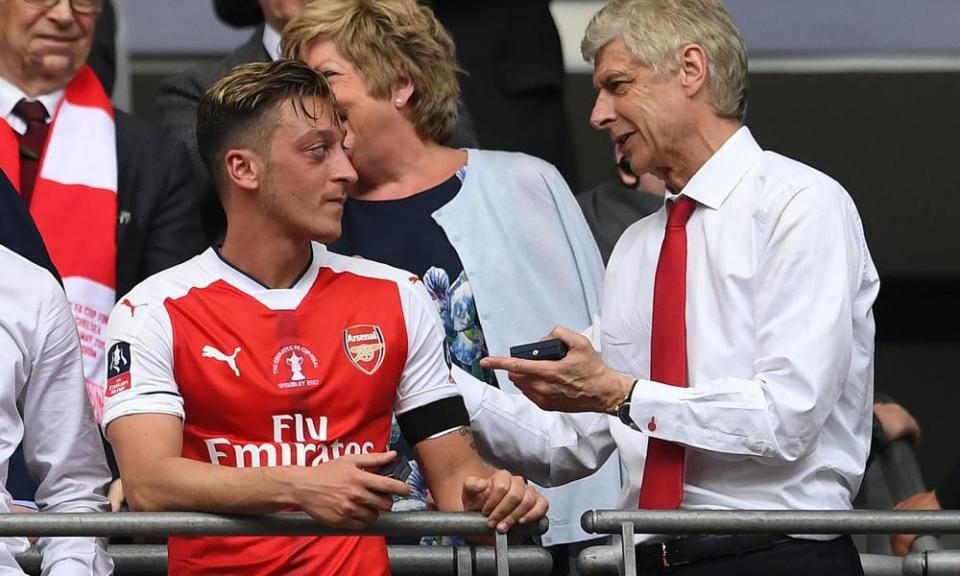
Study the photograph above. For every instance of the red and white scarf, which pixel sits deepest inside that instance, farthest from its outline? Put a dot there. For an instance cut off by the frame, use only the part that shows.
(75, 207)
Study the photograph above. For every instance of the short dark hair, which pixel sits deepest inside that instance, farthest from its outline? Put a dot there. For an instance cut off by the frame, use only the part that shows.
(234, 112)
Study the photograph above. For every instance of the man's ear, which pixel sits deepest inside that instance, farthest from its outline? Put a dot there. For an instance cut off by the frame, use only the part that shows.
(401, 92)
(693, 69)
(244, 168)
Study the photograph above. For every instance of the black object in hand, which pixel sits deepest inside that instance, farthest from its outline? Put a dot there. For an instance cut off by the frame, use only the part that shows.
(398, 469)
(553, 349)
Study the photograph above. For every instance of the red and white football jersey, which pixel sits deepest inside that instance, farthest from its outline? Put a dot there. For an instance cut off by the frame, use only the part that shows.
(293, 377)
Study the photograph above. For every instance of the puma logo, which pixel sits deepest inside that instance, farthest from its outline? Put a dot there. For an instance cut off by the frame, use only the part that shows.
(211, 352)
(133, 307)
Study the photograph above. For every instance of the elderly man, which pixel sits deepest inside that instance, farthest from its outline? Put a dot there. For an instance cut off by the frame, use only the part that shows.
(111, 196)
(42, 404)
(735, 364)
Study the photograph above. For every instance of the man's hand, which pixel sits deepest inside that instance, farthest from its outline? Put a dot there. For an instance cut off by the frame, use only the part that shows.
(342, 493)
(897, 422)
(580, 382)
(901, 543)
(504, 499)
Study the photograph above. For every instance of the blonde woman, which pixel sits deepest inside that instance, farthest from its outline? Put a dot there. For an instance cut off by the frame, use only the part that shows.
(496, 237)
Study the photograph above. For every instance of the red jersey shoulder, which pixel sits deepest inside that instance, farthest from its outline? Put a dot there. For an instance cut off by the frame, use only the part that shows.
(133, 310)
(371, 270)
(148, 296)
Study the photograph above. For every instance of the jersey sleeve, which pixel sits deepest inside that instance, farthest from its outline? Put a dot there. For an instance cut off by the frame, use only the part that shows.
(428, 402)
(140, 378)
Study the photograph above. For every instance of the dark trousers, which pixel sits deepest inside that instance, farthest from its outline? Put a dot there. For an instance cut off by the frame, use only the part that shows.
(797, 557)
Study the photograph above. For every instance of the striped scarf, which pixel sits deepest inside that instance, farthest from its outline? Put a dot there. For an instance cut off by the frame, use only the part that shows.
(75, 207)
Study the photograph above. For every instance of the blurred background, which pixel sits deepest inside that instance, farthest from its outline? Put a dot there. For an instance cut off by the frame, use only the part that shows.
(864, 90)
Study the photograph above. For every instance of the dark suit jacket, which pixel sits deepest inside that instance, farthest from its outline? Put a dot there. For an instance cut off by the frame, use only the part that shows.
(157, 222)
(515, 76)
(179, 100)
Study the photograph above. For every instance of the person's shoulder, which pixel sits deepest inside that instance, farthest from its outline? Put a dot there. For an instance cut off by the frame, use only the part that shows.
(789, 177)
(33, 305)
(24, 279)
(785, 186)
(513, 173)
(514, 163)
(369, 270)
(172, 283)
(201, 76)
(141, 130)
(143, 149)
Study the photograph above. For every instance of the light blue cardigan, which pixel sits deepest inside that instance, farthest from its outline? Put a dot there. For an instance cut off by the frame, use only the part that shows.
(532, 263)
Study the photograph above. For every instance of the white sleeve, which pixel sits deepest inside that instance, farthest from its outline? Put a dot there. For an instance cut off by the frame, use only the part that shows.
(140, 364)
(426, 376)
(61, 442)
(810, 270)
(549, 448)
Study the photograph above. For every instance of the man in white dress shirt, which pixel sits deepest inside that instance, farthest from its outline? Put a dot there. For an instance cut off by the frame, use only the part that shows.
(735, 364)
(43, 404)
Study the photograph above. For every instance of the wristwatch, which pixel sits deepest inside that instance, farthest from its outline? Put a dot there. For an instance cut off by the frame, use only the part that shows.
(623, 408)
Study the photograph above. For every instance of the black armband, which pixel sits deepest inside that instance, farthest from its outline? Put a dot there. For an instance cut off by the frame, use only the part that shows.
(425, 421)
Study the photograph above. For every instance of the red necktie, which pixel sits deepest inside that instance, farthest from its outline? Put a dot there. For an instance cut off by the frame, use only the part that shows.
(31, 144)
(662, 487)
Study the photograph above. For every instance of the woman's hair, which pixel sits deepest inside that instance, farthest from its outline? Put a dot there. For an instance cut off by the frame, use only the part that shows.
(388, 41)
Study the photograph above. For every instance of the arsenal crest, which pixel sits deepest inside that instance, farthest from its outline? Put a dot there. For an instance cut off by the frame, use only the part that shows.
(365, 347)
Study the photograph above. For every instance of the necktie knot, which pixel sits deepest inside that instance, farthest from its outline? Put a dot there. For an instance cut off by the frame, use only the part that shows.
(680, 210)
(30, 112)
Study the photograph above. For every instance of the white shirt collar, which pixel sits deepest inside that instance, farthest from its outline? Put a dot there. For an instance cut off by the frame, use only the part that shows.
(271, 41)
(11, 94)
(714, 181)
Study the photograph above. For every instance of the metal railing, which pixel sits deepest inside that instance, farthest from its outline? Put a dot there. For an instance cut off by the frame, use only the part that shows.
(151, 560)
(463, 561)
(621, 559)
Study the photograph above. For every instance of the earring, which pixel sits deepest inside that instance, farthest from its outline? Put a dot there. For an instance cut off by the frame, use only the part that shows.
(399, 101)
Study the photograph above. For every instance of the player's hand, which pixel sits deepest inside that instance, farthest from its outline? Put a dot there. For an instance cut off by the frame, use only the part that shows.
(901, 543)
(504, 499)
(580, 382)
(346, 492)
